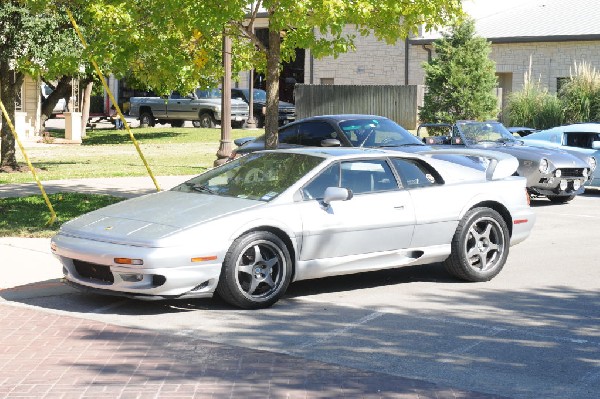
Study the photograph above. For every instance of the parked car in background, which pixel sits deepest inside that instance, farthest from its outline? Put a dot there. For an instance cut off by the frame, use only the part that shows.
(582, 139)
(287, 111)
(248, 228)
(552, 173)
(348, 130)
(202, 107)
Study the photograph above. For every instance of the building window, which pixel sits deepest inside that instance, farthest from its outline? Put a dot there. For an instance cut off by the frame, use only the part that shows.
(326, 81)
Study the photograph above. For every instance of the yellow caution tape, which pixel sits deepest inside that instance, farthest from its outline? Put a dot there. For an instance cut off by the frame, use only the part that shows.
(14, 133)
(112, 98)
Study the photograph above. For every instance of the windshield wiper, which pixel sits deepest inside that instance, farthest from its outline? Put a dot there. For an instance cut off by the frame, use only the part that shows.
(202, 188)
(399, 145)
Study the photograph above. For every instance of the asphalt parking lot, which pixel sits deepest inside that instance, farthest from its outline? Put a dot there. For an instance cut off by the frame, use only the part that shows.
(532, 332)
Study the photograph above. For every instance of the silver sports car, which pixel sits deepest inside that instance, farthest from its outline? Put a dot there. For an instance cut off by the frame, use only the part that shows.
(552, 173)
(582, 139)
(248, 228)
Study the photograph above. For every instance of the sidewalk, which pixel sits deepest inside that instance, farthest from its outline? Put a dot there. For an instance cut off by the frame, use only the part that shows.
(46, 354)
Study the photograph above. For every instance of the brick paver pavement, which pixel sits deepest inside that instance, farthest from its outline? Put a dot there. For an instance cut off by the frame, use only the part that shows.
(48, 355)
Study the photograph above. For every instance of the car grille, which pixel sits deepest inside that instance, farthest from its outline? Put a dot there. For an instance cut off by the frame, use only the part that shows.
(93, 271)
(239, 107)
(571, 172)
(287, 110)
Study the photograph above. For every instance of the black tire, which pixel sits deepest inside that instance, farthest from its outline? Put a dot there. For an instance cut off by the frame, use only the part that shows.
(479, 247)
(237, 124)
(256, 271)
(206, 120)
(147, 119)
(560, 199)
(177, 123)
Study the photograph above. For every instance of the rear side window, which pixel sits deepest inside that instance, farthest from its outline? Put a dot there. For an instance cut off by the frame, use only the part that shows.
(289, 135)
(416, 174)
(312, 133)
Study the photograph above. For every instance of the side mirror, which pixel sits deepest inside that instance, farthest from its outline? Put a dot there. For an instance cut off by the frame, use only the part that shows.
(331, 143)
(596, 145)
(336, 194)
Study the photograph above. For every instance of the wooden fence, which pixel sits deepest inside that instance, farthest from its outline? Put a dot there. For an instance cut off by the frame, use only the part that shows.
(398, 103)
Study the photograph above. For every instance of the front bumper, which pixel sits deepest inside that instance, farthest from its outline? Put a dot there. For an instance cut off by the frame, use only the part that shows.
(166, 272)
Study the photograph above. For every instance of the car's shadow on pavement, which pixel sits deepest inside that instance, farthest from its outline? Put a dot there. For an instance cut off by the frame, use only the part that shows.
(56, 295)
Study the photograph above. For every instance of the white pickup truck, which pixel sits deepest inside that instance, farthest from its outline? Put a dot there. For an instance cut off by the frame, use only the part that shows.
(202, 107)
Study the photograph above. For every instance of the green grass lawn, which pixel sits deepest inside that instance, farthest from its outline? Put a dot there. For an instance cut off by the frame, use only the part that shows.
(103, 153)
(111, 153)
(28, 216)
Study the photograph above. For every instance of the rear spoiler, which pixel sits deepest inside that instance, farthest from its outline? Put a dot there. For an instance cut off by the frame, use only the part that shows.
(500, 165)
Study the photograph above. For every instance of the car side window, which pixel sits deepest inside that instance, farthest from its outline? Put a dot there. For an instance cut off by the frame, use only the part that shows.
(330, 177)
(367, 176)
(416, 174)
(289, 135)
(312, 133)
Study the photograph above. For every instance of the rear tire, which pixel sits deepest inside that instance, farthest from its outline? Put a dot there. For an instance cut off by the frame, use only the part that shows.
(479, 247)
(256, 272)
(147, 120)
(560, 199)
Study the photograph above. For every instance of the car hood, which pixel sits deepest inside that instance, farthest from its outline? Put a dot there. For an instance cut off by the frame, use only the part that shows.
(147, 220)
(524, 152)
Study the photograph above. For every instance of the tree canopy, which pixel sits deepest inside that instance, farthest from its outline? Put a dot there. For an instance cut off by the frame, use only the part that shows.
(461, 78)
(165, 45)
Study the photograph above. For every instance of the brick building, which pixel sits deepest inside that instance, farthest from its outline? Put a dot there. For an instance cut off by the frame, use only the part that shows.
(550, 34)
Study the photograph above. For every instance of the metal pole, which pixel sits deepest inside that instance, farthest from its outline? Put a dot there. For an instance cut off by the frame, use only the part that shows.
(251, 122)
(225, 146)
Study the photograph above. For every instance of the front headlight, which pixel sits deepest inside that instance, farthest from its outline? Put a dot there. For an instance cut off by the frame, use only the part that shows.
(543, 165)
(593, 163)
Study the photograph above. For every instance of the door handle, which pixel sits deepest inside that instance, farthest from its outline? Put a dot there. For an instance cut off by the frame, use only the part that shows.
(399, 207)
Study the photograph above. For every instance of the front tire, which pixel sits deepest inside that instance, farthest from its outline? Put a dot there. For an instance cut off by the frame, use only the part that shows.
(147, 120)
(479, 247)
(206, 121)
(256, 271)
(560, 199)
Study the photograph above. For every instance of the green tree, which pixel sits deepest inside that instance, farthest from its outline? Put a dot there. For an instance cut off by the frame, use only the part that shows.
(461, 78)
(36, 43)
(183, 50)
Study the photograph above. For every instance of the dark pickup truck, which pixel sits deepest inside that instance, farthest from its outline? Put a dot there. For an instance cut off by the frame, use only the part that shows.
(287, 111)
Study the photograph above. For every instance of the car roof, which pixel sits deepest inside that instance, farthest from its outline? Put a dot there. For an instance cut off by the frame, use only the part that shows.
(339, 117)
(343, 152)
(577, 128)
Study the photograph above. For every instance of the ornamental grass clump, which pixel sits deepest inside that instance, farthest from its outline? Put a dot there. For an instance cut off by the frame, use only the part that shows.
(534, 107)
(580, 94)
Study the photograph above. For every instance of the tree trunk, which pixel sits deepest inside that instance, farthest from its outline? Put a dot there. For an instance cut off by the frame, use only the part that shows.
(272, 112)
(62, 90)
(8, 159)
(85, 104)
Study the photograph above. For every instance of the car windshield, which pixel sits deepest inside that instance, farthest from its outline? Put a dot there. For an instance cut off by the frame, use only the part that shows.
(259, 176)
(377, 133)
(481, 132)
(210, 93)
(259, 95)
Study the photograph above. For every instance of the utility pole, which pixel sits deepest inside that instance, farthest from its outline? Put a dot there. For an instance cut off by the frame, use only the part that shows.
(225, 146)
